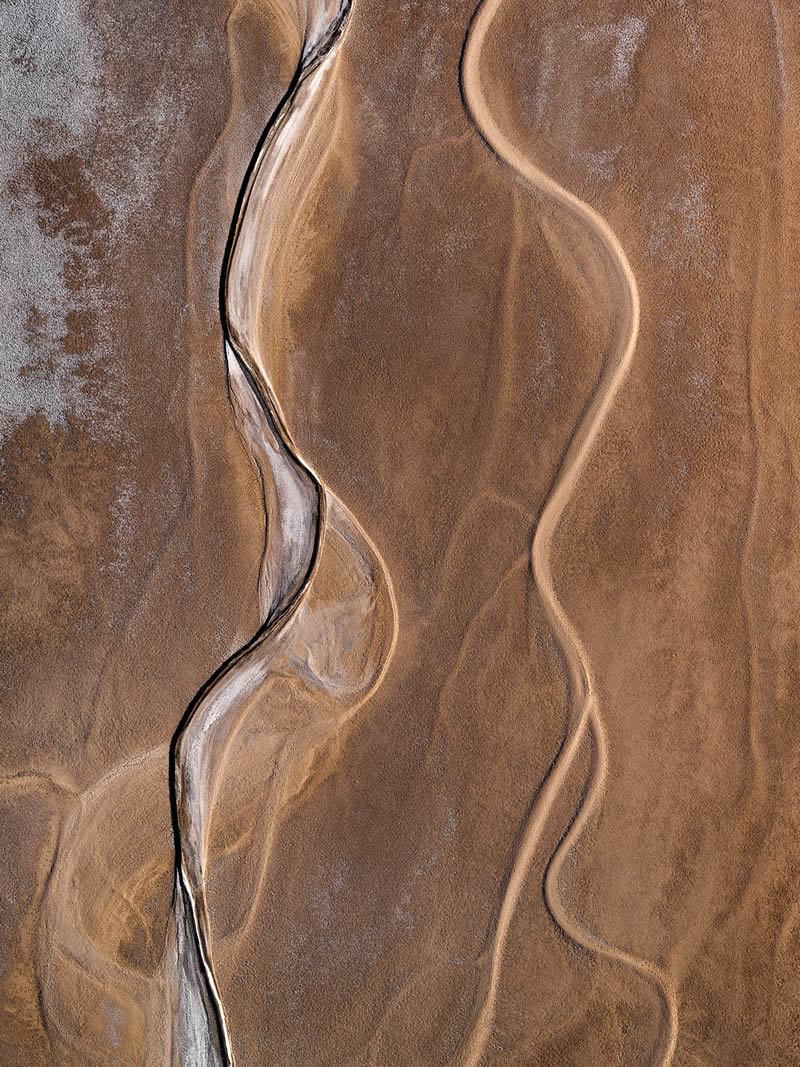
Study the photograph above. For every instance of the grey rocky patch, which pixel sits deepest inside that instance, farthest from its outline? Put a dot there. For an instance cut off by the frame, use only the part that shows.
(49, 82)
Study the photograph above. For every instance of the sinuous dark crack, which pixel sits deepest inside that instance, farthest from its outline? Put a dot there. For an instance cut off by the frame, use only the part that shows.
(296, 506)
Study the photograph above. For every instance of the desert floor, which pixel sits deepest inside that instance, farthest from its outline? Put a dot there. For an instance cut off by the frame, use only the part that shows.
(511, 774)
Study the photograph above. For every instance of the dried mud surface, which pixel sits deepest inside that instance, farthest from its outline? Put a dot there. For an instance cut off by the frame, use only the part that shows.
(399, 645)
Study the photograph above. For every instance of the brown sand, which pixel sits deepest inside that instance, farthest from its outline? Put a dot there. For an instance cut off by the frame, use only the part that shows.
(563, 827)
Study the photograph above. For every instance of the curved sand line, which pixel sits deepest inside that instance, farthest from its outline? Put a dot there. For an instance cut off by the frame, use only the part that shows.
(68, 954)
(296, 507)
(585, 722)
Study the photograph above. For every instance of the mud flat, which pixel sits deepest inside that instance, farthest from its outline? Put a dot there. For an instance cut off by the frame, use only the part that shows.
(511, 374)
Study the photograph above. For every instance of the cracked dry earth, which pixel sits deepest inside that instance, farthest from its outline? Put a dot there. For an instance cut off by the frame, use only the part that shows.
(398, 468)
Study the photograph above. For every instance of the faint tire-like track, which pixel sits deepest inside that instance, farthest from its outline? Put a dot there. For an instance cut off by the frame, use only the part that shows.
(585, 722)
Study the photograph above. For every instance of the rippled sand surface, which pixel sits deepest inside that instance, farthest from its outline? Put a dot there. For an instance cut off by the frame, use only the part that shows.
(397, 452)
